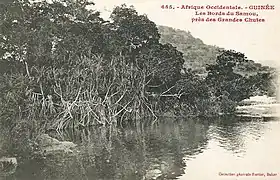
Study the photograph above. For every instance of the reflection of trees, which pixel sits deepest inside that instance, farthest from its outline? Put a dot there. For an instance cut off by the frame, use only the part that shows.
(232, 132)
(130, 153)
(137, 152)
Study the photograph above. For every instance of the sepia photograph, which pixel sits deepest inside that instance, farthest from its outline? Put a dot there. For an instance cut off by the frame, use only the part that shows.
(139, 90)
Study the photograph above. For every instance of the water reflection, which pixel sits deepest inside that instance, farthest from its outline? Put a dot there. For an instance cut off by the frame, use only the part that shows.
(234, 133)
(143, 152)
(258, 153)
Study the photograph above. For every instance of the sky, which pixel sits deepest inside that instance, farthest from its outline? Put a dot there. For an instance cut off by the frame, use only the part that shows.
(259, 41)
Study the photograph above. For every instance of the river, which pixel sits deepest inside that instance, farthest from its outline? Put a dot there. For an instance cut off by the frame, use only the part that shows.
(186, 149)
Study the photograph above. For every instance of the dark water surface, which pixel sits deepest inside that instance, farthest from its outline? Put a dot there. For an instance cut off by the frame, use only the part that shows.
(188, 149)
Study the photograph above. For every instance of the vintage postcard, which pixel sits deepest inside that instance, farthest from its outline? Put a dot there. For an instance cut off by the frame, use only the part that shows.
(139, 90)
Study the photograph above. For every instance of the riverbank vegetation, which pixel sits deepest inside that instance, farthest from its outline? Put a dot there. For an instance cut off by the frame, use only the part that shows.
(64, 66)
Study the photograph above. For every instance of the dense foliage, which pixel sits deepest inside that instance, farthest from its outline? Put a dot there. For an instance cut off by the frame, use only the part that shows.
(198, 55)
(62, 65)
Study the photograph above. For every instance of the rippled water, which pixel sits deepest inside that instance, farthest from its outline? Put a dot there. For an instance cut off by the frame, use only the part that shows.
(191, 149)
